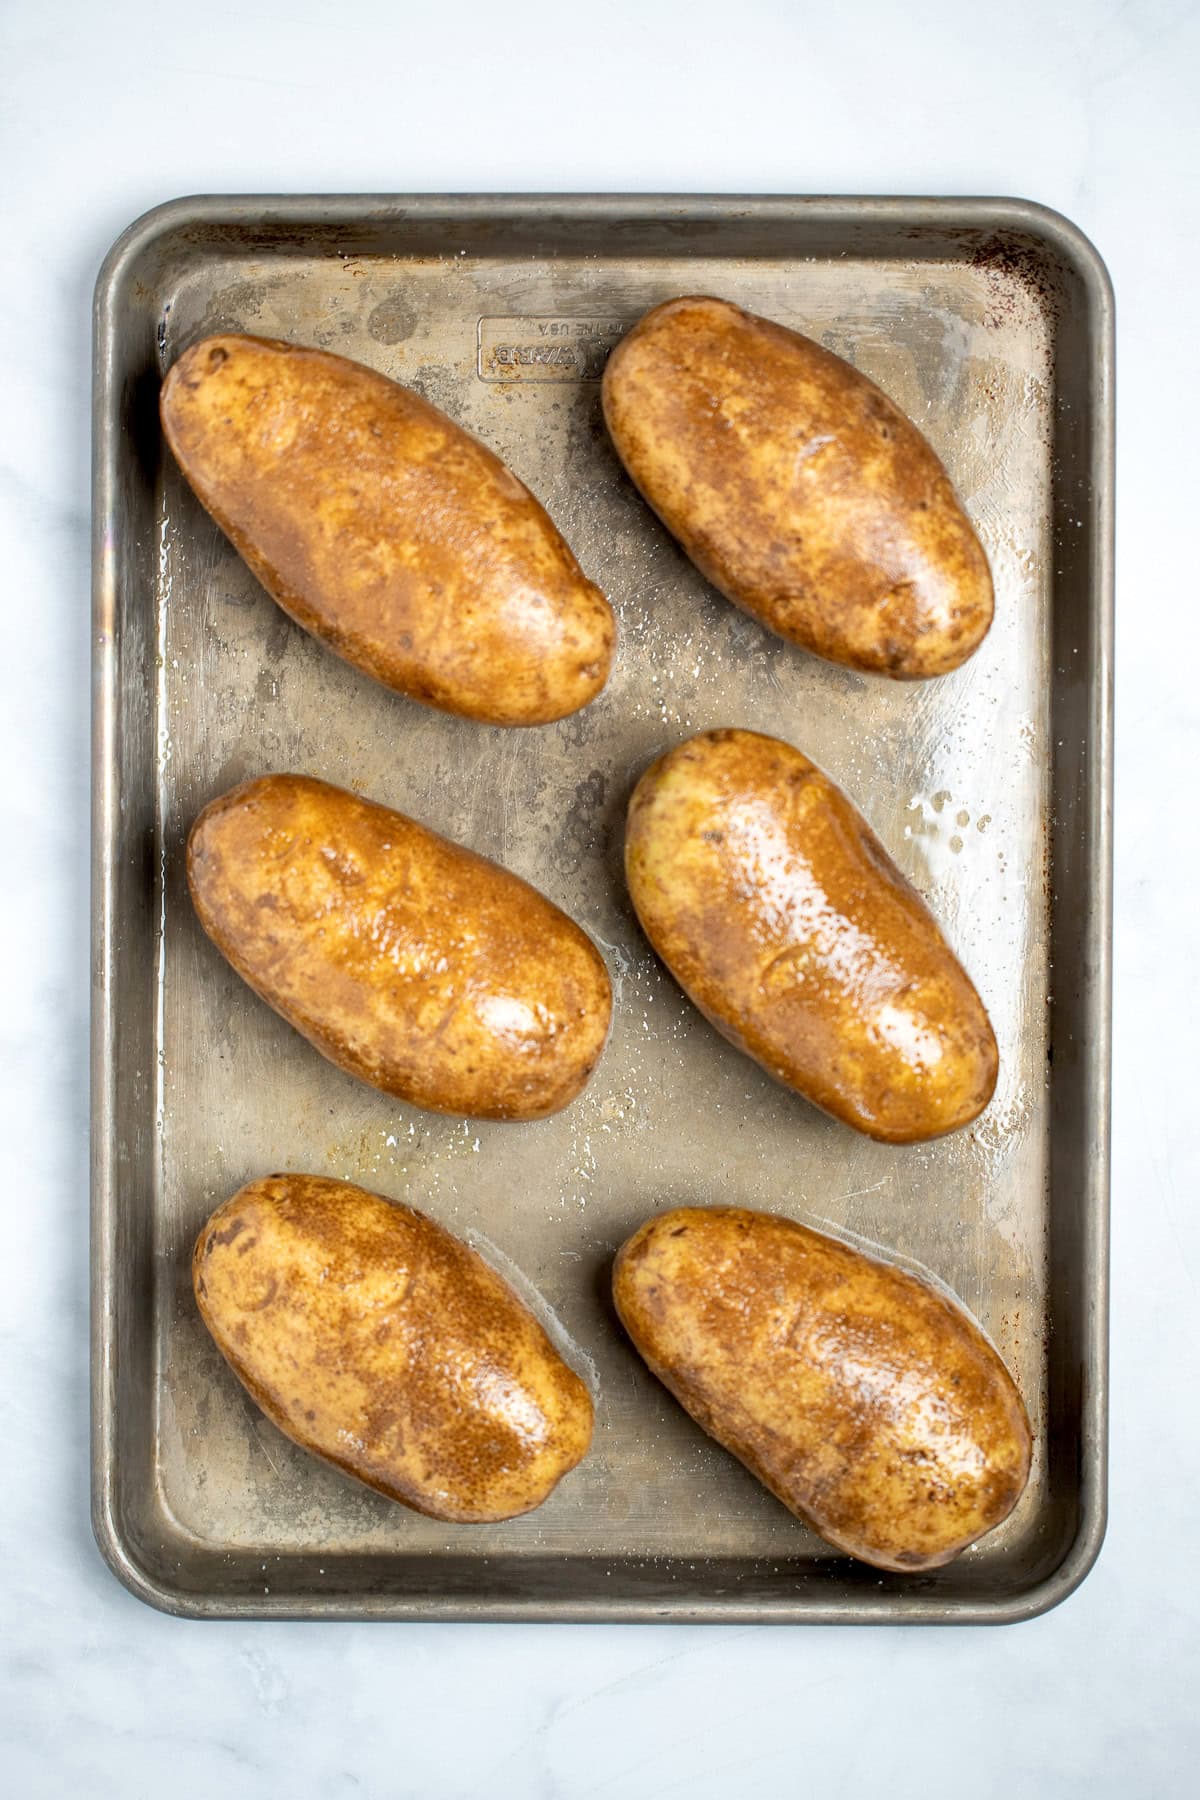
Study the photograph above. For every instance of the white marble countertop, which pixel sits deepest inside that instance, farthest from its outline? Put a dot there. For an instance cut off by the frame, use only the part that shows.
(106, 111)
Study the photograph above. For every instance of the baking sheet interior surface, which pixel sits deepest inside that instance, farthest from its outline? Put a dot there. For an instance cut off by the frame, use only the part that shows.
(951, 773)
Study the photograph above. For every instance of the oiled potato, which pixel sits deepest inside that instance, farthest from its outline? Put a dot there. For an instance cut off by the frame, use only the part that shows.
(867, 1401)
(378, 1341)
(387, 531)
(778, 911)
(798, 489)
(407, 960)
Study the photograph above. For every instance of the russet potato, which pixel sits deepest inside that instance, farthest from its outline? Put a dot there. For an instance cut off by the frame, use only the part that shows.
(380, 1342)
(780, 914)
(404, 958)
(387, 530)
(864, 1398)
(798, 489)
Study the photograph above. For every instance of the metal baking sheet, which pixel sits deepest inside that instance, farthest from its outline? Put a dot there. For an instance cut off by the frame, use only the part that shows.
(990, 322)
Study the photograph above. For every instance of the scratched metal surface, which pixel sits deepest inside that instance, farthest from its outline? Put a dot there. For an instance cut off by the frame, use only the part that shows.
(203, 1088)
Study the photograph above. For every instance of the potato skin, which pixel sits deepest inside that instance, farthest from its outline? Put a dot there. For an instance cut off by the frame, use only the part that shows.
(867, 1401)
(780, 914)
(798, 489)
(404, 958)
(387, 531)
(378, 1341)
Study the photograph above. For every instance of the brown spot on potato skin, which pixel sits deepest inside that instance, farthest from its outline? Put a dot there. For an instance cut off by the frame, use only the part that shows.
(798, 489)
(387, 531)
(463, 1410)
(867, 1401)
(407, 960)
(785, 921)
(231, 1231)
